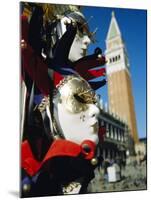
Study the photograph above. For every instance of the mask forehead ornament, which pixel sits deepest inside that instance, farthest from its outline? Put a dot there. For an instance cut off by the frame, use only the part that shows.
(75, 93)
(53, 12)
(82, 24)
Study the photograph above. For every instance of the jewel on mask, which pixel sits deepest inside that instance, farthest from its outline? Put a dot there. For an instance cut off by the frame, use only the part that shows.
(82, 118)
(94, 161)
(86, 148)
(23, 44)
(99, 56)
(26, 188)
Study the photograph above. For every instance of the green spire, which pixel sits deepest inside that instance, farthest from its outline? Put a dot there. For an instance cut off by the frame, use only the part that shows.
(114, 28)
(113, 31)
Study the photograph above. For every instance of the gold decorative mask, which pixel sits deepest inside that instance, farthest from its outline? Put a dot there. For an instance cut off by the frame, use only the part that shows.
(76, 94)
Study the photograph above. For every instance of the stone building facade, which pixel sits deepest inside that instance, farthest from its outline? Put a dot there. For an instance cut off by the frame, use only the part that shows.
(117, 141)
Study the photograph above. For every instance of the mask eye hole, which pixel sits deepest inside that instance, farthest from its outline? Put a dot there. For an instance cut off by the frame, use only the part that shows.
(85, 99)
(80, 28)
(79, 99)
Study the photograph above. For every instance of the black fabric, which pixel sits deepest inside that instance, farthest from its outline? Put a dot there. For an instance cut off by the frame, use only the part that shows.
(98, 84)
(63, 46)
(43, 184)
(67, 169)
(61, 50)
(36, 30)
(60, 171)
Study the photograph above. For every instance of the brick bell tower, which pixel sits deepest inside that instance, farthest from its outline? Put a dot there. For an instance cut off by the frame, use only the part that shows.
(119, 78)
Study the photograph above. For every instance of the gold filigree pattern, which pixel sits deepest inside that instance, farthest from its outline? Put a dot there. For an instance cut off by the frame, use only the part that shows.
(77, 94)
(72, 187)
(45, 102)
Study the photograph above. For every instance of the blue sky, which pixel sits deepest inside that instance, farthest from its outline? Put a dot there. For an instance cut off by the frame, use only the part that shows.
(133, 25)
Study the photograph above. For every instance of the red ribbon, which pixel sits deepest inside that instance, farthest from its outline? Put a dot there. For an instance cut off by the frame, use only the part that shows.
(33, 64)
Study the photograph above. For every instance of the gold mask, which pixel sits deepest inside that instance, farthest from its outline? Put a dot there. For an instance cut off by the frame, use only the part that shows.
(76, 94)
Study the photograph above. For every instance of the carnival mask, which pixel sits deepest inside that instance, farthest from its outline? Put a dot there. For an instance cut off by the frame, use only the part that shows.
(82, 38)
(77, 110)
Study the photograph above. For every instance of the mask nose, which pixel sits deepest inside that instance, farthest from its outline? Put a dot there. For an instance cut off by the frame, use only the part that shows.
(86, 40)
(94, 111)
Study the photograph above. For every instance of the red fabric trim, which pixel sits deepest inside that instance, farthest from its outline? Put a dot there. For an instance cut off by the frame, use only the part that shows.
(97, 72)
(91, 74)
(28, 161)
(58, 148)
(63, 148)
(57, 78)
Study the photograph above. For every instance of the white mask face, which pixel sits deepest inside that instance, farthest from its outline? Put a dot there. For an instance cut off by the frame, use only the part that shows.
(80, 42)
(77, 111)
(79, 47)
(78, 127)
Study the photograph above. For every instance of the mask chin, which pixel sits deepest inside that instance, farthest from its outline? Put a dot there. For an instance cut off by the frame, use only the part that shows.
(76, 52)
(76, 127)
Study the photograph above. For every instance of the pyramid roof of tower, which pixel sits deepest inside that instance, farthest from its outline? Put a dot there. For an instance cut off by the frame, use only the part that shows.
(113, 28)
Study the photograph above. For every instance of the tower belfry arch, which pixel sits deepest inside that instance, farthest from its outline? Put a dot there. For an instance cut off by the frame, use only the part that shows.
(120, 94)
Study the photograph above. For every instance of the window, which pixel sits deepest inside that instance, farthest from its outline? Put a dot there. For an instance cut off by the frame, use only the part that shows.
(114, 59)
(119, 135)
(115, 133)
(111, 131)
(107, 130)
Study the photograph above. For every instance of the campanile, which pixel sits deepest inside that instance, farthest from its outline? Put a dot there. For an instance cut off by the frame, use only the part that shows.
(120, 94)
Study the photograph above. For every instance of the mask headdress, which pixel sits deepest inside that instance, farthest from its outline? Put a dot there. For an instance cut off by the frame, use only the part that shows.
(84, 66)
(58, 44)
(43, 34)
